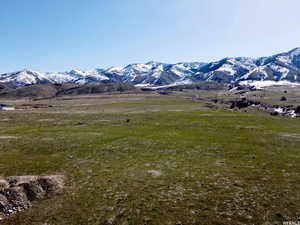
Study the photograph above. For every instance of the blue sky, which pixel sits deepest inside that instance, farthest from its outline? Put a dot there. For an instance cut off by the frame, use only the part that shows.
(59, 35)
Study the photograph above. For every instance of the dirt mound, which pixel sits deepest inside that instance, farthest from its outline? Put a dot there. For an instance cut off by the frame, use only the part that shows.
(17, 193)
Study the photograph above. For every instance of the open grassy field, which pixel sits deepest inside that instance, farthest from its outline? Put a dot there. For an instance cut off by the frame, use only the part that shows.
(155, 160)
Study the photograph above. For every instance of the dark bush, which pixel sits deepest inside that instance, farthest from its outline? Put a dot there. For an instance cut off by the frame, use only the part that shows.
(274, 113)
(283, 98)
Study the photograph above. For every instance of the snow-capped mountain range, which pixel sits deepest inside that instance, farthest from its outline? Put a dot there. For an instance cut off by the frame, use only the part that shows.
(280, 67)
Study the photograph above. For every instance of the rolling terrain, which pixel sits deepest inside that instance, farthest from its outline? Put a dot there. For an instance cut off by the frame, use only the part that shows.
(150, 158)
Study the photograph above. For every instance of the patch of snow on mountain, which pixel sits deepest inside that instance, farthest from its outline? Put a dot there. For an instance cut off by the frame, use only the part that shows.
(295, 52)
(115, 70)
(283, 70)
(260, 70)
(157, 71)
(180, 70)
(143, 68)
(186, 81)
(98, 76)
(284, 59)
(268, 83)
(165, 86)
(192, 65)
(245, 63)
(60, 78)
(227, 68)
(143, 85)
(79, 72)
(81, 82)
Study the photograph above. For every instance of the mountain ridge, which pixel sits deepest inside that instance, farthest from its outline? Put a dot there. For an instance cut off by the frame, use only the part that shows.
(280, 67)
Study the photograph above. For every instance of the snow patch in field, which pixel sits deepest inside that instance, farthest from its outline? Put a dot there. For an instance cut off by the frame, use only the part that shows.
(143, 85)
(268, 83)
(183, 82)
(279, 110)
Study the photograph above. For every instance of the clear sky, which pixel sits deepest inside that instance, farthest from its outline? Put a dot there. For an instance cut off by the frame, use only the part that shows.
(59, 35)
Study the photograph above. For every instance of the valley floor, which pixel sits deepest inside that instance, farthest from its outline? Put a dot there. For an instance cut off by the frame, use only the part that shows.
(154, 159)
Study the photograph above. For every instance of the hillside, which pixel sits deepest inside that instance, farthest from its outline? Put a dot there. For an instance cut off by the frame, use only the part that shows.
(96, 89)
(53, 90)
(32, 91)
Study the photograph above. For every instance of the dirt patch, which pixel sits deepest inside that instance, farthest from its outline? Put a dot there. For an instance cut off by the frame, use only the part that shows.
(155, 173)
(249, 127)
(33, 106)
(175, 110)
(8, 137)
(291, 135)
(5, 119)
(46, 120)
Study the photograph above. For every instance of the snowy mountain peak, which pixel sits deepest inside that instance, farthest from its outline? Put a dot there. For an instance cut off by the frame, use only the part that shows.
(22, 78)
(114, 69)
(28, 72)
(294, 52)
(154, 63)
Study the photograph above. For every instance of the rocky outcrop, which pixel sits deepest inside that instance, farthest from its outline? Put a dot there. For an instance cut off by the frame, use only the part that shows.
(288, 110)
(17, 193)
(274, 110)
(243, 103)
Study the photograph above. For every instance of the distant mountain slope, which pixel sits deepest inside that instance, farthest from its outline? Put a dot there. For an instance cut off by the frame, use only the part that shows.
(38, 91)
(33, 91)
(96, 89)
(280, 67)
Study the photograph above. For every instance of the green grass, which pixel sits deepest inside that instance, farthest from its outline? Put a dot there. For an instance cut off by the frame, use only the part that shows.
(216, 167)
